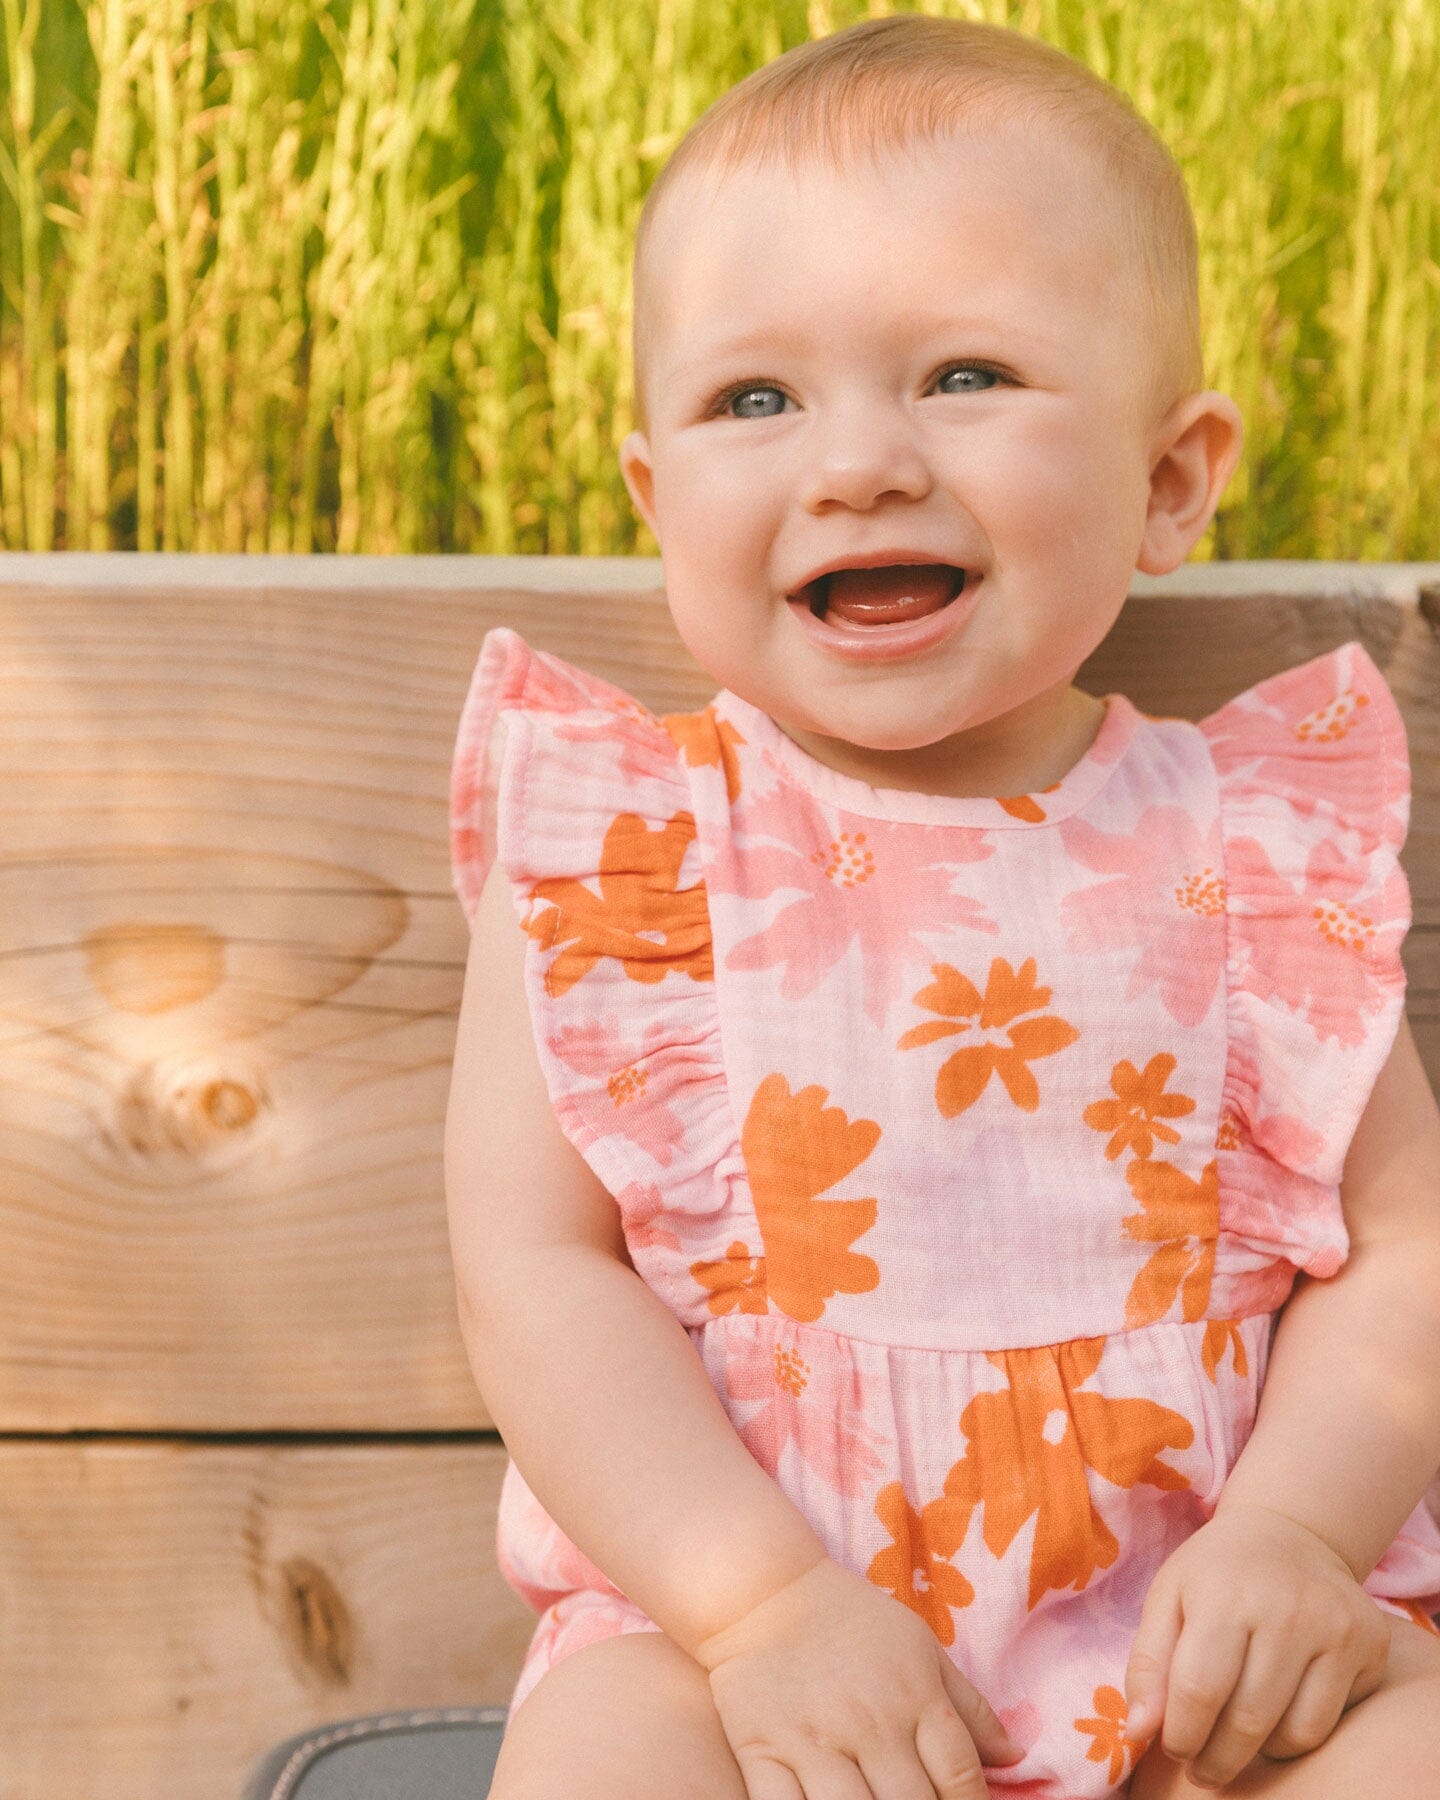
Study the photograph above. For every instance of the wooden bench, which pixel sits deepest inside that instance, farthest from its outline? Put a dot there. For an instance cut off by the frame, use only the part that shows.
(248, 1486)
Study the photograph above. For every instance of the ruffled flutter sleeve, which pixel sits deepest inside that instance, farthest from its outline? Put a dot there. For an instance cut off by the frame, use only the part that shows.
(580, 795)
(1314, 781)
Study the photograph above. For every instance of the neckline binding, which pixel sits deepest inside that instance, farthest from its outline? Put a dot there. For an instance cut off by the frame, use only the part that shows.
(853, 795)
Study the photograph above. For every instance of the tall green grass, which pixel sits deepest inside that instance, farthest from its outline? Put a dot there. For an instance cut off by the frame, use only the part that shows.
(285, 276)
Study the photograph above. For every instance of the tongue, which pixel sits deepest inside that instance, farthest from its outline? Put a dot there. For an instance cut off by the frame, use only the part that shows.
(897, 591)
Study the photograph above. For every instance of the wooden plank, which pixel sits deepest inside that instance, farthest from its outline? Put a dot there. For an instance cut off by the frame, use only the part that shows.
(171, 1611)
(233, 955)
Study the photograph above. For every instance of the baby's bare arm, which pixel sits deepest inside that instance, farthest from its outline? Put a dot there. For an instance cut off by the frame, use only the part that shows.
(594, 1384)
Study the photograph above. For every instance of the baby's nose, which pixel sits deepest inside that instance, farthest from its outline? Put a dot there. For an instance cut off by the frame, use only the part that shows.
(861, 460)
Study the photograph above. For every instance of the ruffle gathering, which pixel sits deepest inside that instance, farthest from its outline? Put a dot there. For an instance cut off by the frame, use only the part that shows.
(1315, 803)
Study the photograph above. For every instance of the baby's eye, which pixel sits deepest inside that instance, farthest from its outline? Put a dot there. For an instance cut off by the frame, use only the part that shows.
(987, 378)
(738, 396)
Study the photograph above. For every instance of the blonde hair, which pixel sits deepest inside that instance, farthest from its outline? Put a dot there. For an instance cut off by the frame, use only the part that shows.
(885, 83)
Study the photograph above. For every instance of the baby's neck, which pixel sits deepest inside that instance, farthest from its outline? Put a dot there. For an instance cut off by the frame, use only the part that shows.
(996, 760)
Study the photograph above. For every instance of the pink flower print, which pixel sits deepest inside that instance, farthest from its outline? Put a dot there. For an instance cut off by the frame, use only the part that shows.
(1320, 948)
(647, 750)
(1247, 1117)
(1274, 733)
(1165, 899)
(876, 881)
(1024, 1722)
(625, 1093)
(537, 1558)
(641, 1203)
(817, 1402)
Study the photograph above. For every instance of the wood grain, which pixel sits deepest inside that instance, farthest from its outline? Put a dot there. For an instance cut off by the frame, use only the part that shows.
(169, 1610)
(231, 964)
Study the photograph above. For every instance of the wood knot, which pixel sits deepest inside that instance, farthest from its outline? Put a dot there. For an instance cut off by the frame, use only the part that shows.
(316, 1620)
(187, 1105)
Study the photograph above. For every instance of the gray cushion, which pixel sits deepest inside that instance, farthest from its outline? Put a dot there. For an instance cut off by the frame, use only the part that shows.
(439, 1753)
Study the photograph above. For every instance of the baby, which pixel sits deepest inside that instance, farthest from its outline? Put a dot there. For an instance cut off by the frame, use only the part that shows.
(880, 1163)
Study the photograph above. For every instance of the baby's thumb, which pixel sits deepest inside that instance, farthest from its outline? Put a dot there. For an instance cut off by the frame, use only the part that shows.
(978, 1717)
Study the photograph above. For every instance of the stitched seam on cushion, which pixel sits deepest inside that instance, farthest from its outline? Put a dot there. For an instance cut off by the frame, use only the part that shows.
(305, 1755)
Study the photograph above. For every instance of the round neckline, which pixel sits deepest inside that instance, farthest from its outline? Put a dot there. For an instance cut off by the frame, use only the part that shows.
(852, 794)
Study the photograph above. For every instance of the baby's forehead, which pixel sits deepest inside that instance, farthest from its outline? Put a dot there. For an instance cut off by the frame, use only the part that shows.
(1050, 183)
(1037, 206)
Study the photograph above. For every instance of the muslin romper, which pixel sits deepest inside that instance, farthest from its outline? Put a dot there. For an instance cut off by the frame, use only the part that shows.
(975, 1142)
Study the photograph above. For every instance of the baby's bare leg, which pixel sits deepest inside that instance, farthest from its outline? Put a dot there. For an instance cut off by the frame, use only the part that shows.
(630, 1718)
(1387, 1744)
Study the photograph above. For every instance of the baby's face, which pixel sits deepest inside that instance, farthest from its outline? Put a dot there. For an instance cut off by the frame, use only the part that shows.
(855, 319)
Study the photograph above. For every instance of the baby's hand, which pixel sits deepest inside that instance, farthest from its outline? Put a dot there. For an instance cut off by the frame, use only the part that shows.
(1266, 1637)
(830, 1674)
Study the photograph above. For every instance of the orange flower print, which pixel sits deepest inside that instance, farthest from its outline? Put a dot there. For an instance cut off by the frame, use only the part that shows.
(706, 740)
(1025, 806)
(1221, 1334)
(912, 1569)
(1185, 1216)
(1107, 1730)
(1030, 1444)
(1422, 1618)
(1133, 1119)
(1008, 996)
(736, 1283)
(794, 1148)
(638, 899)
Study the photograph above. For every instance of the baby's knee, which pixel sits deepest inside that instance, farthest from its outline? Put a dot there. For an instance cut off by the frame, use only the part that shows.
(630, 1718)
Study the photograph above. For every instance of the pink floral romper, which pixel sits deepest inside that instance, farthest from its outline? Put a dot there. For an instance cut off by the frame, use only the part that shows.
(975, 1142)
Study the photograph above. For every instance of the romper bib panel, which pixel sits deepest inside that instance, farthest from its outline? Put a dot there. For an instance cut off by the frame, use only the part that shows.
(975, 1142)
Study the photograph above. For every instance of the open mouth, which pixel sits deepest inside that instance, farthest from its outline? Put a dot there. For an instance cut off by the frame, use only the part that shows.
(886, 595)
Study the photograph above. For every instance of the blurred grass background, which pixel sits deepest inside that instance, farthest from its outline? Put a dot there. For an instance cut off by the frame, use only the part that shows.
(279, 276)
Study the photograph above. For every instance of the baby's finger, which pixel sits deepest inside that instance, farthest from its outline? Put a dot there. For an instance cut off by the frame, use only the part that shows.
(1203, 1672)
(978, 1719)
(766, 1779)
(1266, 1685)
(948, 1755)
(1151, 1649)
(1326, 1689)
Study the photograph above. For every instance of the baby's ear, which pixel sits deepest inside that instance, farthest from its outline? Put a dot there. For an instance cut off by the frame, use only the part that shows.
(1196, 450)
(639, 473)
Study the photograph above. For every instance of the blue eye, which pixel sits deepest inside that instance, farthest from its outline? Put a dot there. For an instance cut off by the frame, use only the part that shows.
(735, 397)
(991, 377)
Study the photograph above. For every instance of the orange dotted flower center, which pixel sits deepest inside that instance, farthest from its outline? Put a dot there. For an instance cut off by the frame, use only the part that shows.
(1203, 893)
(627, 1084)
(844, 860)
(1329, 722)
(792, 1372)
(1343, 926)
